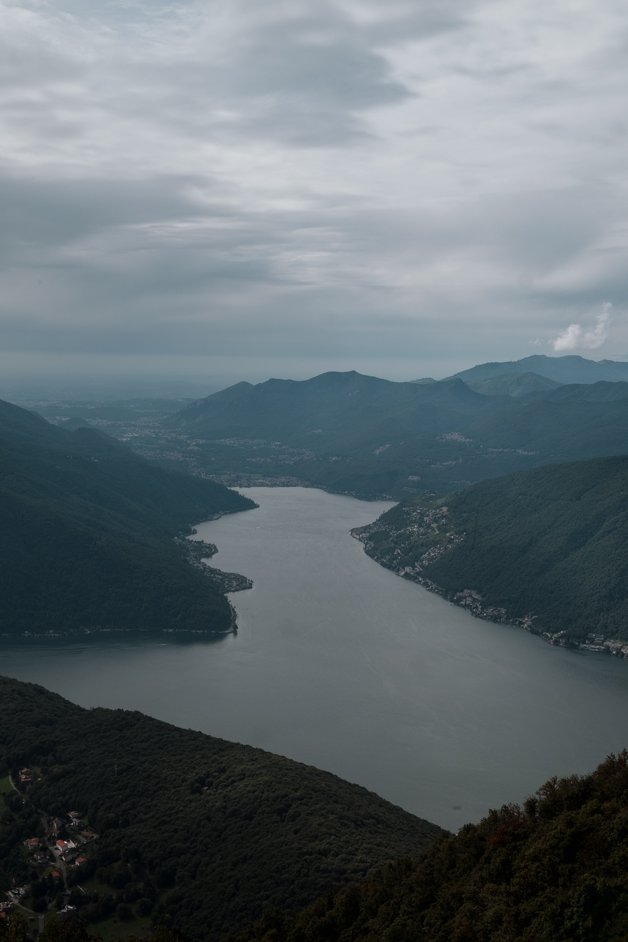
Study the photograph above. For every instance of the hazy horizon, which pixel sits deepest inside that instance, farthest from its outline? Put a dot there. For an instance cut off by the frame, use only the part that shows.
(144, 380)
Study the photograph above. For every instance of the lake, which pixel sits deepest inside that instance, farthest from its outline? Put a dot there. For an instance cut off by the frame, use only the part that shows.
(341, 664)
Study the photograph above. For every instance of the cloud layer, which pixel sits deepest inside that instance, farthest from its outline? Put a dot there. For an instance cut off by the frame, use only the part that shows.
(303, 185)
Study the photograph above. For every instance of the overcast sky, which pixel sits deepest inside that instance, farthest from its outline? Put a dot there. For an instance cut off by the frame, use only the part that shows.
(238, 189)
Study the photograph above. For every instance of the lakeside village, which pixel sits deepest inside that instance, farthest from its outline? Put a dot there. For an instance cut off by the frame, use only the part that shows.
(53, 860)
(427, 530)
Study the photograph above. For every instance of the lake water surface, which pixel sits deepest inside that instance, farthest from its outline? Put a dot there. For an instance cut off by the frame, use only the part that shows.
(341, 664)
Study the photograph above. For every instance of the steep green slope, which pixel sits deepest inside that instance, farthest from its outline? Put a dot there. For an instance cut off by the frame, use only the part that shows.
(87, 535)
(555, 870)
(550, 543)
(201, 833)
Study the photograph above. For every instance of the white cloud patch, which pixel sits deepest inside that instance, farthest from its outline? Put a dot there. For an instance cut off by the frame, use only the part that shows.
(579, 337)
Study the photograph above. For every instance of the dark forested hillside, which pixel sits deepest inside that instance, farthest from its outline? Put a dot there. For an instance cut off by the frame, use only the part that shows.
(221, 841)
(554, 870)
(87, 535)
(193, 831)
(548, 546)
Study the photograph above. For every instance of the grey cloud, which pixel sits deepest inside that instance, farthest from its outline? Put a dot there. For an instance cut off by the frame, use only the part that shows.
(301, 77)
(24, 67)
(28, 53)
(302, 81)
(529, 234)
(328, 180)
(406, 19)
(338, 69)
(46, 213)
(50, 125)
(543, 228)
(280, 279)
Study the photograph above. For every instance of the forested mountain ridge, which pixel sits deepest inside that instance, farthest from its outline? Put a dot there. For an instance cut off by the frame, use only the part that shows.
(552, 870)
(194, 831)
(548, 548)
(374, 438)
(321, 412)
(87, 533)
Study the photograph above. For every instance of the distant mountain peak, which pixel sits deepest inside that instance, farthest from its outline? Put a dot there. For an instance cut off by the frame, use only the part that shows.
(571, 368)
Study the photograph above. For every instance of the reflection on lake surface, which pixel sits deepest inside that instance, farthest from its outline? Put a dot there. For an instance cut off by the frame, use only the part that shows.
(341, 664)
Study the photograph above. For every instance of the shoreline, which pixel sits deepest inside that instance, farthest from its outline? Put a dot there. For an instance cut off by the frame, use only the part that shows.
(85, 635)
(473, 603)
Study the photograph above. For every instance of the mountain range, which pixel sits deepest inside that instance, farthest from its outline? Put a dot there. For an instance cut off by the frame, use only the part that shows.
(564, 369)
(375, 438)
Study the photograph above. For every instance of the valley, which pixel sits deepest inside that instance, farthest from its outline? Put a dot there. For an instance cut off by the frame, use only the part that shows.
(313, 471)
(300, 644)
(341, 664)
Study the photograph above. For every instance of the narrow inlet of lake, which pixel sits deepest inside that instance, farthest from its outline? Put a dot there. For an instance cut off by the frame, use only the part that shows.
(343, 665)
